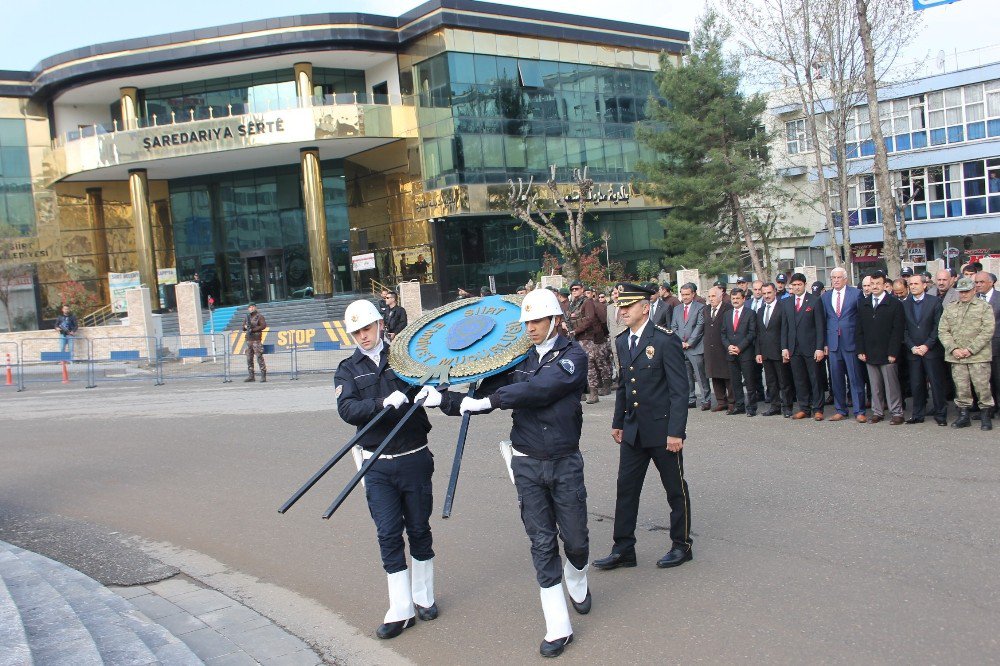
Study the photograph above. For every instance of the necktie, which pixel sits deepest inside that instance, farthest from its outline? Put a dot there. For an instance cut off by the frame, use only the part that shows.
(767, 314)
(874, 302)
(836, 308)
(916, 308)
(715, 311)
(982, 296)
(633, 339)
(736, 319)
(798, 303)
(686, 312)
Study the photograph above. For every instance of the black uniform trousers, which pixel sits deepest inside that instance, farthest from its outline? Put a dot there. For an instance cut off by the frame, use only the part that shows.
(553, 501)
(633, 461)
(808, 390)
(400, 496)
(779, 385)
(742, 370)
(921, 371)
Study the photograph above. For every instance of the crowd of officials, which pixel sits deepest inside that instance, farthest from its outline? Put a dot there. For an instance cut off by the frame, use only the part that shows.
(791, 348)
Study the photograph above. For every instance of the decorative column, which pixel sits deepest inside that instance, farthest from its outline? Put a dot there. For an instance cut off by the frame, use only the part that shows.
(319, 248)
(130, 108)
(138, 187)
(304, 83)
(95, 211)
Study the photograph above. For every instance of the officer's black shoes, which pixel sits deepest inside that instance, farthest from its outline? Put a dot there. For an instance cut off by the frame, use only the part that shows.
(940, 420)
(555, 648)
(393, 629)
(985, 422)
(615, 560)
(427, 614)
(249, 379)
(913, 420)
(739, 410)
(771, 412)
(751, 411)
(675, 558)
(963, 420)
(584, 606)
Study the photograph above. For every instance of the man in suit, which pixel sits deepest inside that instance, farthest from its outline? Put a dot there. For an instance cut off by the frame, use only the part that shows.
(659, 310)
(716, 356)
(986, 290)
(649, 424)
(688, 322)
(768, 347)
(394, 315)
(739, 334)
(879, 337)
(802, 339)
(945, 280)
(924, 353)
(755, 300)
(840, 307)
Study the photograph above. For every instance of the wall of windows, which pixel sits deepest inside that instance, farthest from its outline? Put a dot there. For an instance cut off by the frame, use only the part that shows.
(797, 137)
(248, 93)
(514, 117)
(17, 206)
(939, 118)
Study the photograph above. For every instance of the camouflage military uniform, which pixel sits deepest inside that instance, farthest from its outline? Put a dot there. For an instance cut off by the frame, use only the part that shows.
(254, 325)
(589, 332)
(969, 326)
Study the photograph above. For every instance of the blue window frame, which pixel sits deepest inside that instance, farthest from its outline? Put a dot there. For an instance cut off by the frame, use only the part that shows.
(938, 137)
(920, 212)
(919, 139)
(868, 148)
(993, 127)
(976, 131)
(903, 142)
(976, 206)
(887, 140)
(995, 204)
(937, 210)
(956, 134)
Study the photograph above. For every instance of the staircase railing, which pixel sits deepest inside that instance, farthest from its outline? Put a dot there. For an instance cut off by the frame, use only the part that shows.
(377, 287)
(99, 317)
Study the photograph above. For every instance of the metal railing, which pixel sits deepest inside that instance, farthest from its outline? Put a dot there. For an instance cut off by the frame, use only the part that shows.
(99, 317)
(55, 360)
(125, 359)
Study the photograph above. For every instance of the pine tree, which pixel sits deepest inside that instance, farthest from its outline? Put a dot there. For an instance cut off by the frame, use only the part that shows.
(711, 156)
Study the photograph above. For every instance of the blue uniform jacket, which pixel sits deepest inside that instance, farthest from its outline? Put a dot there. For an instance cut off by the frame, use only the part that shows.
(652, 399)
(544, 397)
(361, 386)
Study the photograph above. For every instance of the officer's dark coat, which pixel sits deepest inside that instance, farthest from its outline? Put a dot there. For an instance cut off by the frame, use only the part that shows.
(652, 398)
(361, 386)
(545, 399)
(716, 356)
(395, 320)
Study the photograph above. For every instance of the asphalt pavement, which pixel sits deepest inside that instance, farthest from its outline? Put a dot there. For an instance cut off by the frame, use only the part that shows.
(813, 542)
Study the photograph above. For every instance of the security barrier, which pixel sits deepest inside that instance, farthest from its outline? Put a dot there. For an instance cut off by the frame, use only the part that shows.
(125, 359)
(198, 356)
(320, 357)
(10, 366)
(53, 360)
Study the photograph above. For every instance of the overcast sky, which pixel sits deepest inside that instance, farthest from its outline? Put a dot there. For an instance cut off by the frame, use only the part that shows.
(31, 30)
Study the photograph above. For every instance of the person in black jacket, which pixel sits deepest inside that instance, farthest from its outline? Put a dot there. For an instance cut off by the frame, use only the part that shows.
(879, 338)
(776, 370)
(924, 353)
(398, 485)
(649, 424)
(395, 316)
(803, 328)
(544, 393)
(739, 334)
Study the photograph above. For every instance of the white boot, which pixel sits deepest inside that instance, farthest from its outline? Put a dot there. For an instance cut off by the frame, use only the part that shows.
(400, 597)
(556, 614)
(423, 588)
(576, 585)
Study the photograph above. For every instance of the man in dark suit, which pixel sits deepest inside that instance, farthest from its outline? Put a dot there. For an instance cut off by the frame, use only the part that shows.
(986, 290)
(395, 316)
(739, 334)
(840, 305)
(716, 356)
(649, 424)
(659, 310)
(879, 337)
(924, 353)
(768, 347)
(802, 328)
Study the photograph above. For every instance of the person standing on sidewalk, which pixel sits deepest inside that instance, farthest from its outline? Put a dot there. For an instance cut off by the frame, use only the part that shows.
(398, 485)
(966, 331)
(881, 323)
(587, 331)
(67, 326)
(254, 325)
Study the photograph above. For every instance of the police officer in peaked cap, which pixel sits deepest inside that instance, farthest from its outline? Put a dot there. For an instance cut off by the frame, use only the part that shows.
(398, 484)
(649, 424)
(544, 393)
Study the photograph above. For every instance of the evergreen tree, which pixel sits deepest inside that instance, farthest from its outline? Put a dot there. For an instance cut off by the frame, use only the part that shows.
(711, 156)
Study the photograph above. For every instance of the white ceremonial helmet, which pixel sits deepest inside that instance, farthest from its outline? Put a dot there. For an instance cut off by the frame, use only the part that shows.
(359, 314)
(540, 303)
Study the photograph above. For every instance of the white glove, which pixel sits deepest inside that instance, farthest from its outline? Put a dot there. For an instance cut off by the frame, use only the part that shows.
(396, 399)
(474, 405)
(430, 395)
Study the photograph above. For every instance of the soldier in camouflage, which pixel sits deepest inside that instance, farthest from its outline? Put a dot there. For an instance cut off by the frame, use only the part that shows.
(966, 331)
(587, 329)
(254, 325)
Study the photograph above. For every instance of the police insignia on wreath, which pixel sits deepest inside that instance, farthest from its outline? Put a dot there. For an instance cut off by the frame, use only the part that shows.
(650, 351)
(568, 366)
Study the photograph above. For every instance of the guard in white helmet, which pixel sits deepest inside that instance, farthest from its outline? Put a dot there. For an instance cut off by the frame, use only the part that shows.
(398, 486)
(544, 393)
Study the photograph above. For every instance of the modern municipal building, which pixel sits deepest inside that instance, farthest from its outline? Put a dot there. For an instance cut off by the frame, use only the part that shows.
(286, 157)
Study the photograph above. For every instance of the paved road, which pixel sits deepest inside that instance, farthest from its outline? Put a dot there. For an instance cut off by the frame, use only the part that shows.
(826, 543)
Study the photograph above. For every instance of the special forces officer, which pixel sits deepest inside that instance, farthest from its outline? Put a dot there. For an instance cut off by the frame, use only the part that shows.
(398, 486)
(544, 393)
(649, 424)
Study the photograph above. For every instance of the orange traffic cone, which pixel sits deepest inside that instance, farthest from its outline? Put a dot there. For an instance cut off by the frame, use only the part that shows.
(65, 373)
(10, 375)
